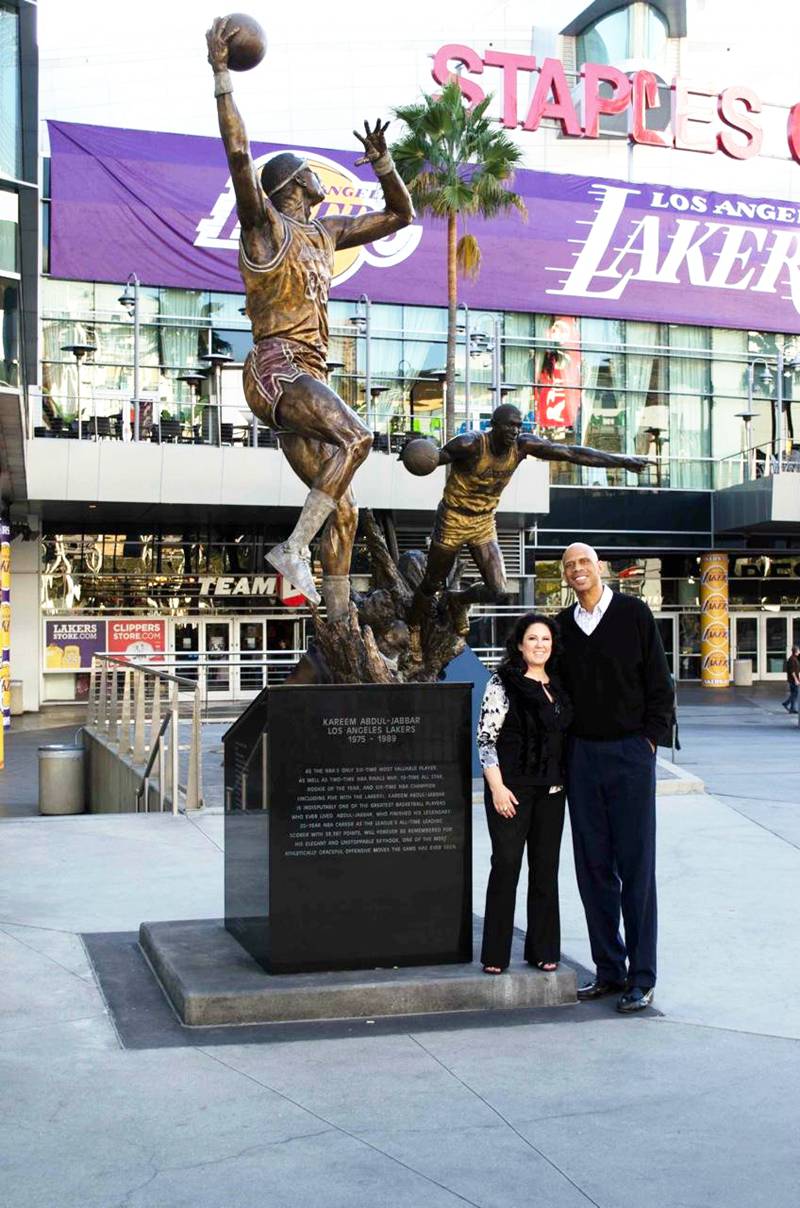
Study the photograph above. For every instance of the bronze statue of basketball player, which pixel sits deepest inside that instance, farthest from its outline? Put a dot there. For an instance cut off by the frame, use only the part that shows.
(481, 466)
(286, 262)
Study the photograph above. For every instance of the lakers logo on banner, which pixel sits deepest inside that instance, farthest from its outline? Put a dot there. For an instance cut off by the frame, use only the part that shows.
(714, 632)
(345, 194)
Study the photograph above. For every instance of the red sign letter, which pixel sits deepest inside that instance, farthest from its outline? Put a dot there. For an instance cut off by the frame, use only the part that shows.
(645, 96)
(510, 64)
(793, 131)
(684, 117)
(593, 103)
(753, 133)
(443, 74)
(561, 108)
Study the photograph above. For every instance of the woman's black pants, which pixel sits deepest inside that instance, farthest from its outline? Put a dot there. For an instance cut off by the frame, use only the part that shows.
(539, 822)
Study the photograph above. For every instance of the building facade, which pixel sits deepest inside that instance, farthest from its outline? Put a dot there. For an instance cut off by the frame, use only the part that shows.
(19, 322)
(650, 304)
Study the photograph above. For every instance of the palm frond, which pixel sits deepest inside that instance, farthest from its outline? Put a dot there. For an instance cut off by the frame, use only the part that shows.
(468, 257)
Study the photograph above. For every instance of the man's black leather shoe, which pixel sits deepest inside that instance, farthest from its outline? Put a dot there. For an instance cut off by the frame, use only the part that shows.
(598, 989)
(635, 999)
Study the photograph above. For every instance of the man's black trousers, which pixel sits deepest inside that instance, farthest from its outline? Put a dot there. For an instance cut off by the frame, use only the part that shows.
(539, 822)
(611, 787)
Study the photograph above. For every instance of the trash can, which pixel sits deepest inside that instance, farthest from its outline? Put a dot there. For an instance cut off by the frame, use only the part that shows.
(743, 673)
(16, 698)
(61, 779)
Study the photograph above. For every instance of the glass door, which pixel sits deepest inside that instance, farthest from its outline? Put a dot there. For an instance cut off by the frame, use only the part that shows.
(217, 647)
(252, 658)
(186, 644)
(745, 639)
(282, 639)
(777, 644)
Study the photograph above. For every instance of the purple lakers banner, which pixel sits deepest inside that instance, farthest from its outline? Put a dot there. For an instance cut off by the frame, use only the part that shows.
(162, 206)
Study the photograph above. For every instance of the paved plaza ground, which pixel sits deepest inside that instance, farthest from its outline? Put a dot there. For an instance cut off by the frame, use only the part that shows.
(107, 1103)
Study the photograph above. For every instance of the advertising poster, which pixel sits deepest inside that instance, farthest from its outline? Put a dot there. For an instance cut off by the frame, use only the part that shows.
(613, 248)
(558, 393)
(69, 645)
(141, 638)
(714, 650)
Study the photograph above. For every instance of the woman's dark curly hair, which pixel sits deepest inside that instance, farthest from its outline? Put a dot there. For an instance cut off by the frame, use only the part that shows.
(513, 660)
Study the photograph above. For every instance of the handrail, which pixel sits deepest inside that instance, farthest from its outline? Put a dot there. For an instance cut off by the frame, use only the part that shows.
(126, 663)
(144, 788)
(104, 719)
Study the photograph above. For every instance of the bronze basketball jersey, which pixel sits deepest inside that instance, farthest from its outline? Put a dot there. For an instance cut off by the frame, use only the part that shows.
(288, 297)
(474, 487)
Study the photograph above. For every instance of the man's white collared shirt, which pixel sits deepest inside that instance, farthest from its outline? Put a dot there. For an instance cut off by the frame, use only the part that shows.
(588, 621)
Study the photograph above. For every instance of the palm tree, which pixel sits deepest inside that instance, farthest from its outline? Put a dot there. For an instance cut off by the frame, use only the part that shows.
(456, 164)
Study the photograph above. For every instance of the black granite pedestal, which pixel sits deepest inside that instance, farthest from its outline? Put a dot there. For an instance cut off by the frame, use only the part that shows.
(347, 827)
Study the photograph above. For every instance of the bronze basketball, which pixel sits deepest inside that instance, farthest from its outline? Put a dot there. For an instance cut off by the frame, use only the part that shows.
(246, 48)
(420, 456)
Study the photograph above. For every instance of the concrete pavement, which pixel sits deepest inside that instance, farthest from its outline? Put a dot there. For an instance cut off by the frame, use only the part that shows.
(693, 1107)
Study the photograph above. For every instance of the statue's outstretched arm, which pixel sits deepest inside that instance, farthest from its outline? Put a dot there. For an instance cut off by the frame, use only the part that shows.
(580, 455)
(398, 211)
(255, 212)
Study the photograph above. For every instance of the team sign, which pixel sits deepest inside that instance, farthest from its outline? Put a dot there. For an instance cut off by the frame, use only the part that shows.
(702, 119)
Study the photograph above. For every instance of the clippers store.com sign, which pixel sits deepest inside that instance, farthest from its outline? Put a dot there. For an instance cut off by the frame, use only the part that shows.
(591, 246)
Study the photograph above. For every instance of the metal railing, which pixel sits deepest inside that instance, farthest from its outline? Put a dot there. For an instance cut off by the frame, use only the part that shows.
(136, 709)
(392, 429)
(219, 678)
(758, 461)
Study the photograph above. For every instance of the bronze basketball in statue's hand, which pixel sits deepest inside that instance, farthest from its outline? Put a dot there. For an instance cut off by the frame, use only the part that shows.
(241, 37)
(420, 456)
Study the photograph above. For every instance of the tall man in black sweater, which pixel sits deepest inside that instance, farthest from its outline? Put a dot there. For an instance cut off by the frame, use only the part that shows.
(615, 669)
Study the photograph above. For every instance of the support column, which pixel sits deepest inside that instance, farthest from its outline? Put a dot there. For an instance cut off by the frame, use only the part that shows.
(5, 618)
(714, 621)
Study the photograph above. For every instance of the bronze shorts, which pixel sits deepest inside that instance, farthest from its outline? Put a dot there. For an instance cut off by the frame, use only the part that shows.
(270, 364)
(454, 529)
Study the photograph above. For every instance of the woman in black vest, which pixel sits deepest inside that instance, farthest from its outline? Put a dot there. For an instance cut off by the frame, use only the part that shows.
(521, 740)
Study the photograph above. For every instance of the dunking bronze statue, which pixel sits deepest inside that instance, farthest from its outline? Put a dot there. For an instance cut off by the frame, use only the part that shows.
(481, 466)
(286, 261)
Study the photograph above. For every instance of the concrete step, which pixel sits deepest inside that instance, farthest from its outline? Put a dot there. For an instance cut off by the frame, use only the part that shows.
(210, 980)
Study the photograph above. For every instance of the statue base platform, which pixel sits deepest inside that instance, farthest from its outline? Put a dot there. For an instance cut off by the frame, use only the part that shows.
(210, 980)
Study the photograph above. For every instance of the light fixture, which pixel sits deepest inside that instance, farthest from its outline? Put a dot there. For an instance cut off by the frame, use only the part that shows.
(129, 298)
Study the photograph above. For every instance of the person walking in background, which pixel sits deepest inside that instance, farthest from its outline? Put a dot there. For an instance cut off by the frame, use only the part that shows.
(521, 731)
(792, 669)
(616, 672)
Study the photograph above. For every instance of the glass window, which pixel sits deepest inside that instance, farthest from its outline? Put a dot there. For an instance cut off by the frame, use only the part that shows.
(9, 218)
(654, 33)
(9, 333)
(10, 98)
(762, 353)
(184, 327)
(233, 343)
(690, 403)
(606, 41)
(226, 307)
(602, 418)
(647, 402)
(633, 31)
(729, 376)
